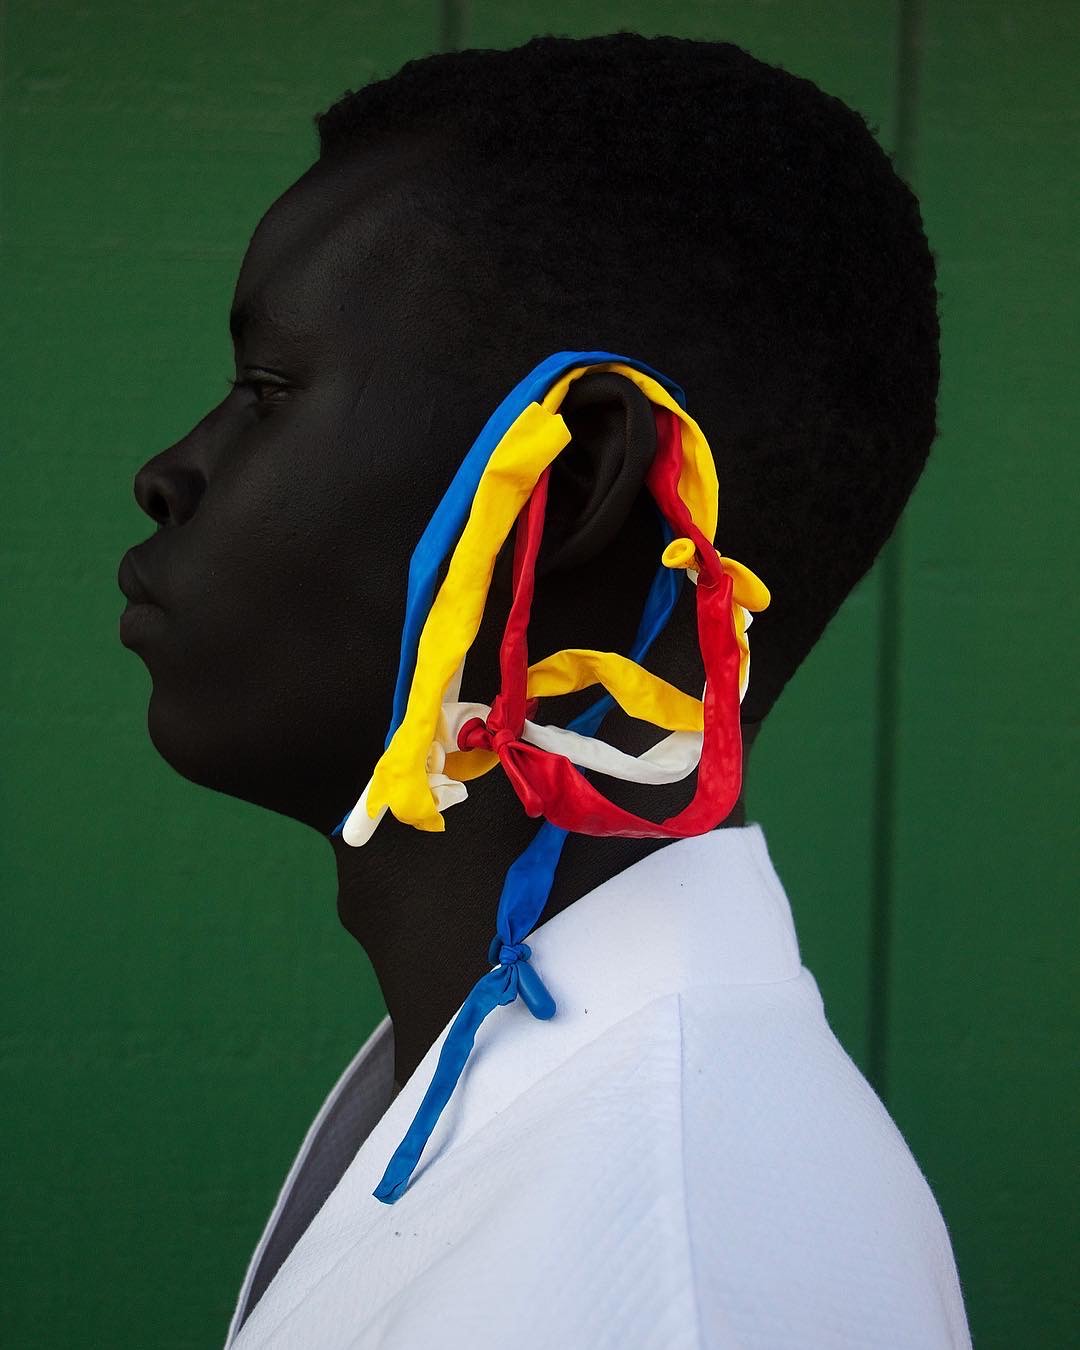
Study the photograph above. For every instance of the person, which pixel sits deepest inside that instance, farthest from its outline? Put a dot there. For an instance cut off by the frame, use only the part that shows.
(683, 1155)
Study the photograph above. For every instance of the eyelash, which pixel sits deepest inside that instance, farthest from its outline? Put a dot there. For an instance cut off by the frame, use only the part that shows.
(256, 385)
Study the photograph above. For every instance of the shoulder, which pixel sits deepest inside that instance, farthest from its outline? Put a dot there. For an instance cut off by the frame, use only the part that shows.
(710, 1171)
(805, 1206)
(717, 1163)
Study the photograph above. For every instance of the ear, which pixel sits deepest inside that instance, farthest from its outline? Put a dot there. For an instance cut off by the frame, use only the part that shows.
(598, 476)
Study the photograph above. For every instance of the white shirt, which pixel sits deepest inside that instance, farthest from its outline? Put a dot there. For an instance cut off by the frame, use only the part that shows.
(683, 1157)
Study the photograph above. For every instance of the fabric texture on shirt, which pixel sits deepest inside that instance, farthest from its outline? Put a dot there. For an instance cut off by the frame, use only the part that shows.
(684, 1156)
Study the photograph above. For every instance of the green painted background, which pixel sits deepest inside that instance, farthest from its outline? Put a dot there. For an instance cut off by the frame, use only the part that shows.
(178, 995)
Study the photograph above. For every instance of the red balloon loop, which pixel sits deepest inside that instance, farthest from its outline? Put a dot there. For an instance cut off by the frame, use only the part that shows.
(549, 784)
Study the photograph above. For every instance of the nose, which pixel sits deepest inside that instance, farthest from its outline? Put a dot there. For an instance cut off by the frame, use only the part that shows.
(169, 492)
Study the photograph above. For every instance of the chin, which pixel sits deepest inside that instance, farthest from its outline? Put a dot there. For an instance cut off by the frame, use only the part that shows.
(195, 747)
(270, 761)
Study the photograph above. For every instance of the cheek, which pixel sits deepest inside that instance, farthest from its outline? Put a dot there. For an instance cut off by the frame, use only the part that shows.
(303, 556)
(316, 562)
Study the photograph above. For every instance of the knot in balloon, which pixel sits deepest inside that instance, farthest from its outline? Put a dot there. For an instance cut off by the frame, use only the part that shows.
(513, 959)
(480, 734)
(503, 736)
(475, 735)
(502, 953)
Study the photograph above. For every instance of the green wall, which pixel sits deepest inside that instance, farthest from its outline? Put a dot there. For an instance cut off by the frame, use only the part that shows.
(178, 995)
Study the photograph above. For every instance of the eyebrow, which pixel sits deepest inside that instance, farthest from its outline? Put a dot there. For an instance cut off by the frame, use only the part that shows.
(240, 317)
(252, 311)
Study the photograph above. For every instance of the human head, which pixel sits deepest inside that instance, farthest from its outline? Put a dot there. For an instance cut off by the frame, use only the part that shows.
(674, 200)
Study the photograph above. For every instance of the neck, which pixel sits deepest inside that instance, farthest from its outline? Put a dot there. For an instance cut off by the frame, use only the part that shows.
(423, 906)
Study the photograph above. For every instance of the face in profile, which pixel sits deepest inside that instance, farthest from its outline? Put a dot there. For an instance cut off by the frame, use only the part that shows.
(286, 516)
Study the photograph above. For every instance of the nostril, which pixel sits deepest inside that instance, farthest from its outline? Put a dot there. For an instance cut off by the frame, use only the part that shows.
(157, 507)
(169, 495)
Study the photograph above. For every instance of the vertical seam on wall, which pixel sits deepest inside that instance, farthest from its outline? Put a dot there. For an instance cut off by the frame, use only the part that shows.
(452, 23)
(890, 617)
(4, 105)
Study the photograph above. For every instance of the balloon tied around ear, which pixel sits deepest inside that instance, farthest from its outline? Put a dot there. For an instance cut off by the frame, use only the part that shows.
(441, 743)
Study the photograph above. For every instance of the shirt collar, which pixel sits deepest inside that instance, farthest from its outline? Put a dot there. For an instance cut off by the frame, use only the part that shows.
(708, 909)
(705, 910)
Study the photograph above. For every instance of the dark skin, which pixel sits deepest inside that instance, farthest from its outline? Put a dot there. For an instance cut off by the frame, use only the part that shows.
(285, 521)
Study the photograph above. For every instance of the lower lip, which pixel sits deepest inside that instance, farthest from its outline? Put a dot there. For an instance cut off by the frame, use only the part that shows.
(137, 620)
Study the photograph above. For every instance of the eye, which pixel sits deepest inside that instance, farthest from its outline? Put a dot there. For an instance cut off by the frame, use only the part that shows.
(265, 390)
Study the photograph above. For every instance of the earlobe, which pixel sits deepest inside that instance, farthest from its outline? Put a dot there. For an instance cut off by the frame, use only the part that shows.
(596, 479)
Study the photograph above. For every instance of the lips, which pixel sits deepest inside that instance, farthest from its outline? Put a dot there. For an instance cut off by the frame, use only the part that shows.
(131, 583)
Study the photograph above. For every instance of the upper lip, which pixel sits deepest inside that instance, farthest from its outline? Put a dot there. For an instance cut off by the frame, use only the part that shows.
(131, 583)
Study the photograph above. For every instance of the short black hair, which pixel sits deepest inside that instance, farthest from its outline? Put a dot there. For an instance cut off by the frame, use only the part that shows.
(749, 235)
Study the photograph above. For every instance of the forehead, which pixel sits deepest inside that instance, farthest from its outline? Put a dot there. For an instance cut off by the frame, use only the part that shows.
(348, 233)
